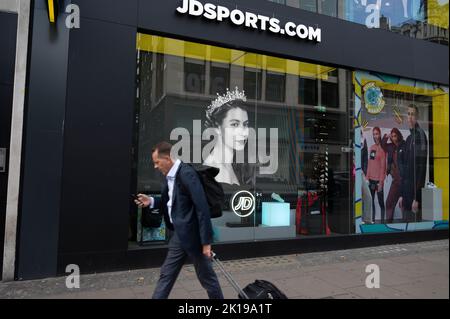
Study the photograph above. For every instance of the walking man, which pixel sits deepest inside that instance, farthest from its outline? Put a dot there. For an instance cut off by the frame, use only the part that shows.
(186, 213)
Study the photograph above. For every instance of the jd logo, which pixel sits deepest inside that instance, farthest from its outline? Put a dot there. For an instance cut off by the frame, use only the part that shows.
(243, 203)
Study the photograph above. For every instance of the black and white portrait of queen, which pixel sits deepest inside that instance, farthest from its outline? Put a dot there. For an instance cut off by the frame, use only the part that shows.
(228, 116)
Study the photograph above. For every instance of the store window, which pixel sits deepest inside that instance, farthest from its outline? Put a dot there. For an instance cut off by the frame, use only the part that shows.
(289, 171)
(401, 154)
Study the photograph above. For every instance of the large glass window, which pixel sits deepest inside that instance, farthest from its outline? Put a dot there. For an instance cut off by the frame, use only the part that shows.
(289, 173)
(291, 163)
(401, 154)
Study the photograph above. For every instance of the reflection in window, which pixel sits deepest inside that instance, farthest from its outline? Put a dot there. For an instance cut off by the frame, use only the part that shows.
(421, 19)
(194, 77)
(275, 87)
(160, 75)
(309, 5)
(321, 127)
(253, 84)
(329, 93)
(145, 78)
(333, 72)
(220, 78)
(328, 7)
(307, 92)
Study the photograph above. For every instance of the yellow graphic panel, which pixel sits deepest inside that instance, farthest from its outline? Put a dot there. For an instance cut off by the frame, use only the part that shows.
(440, 126)
(441, 181)
(440, 148)
(358, 209)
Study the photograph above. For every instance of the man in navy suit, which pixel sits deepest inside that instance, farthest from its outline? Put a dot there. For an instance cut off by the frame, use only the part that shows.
(186, 212)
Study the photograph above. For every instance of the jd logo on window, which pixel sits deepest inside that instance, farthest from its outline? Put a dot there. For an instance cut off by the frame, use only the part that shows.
(243, 203)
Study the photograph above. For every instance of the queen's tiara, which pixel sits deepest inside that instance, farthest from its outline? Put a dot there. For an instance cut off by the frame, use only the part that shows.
(227, 97)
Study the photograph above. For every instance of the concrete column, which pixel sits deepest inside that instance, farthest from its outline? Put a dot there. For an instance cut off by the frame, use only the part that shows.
(9, 254)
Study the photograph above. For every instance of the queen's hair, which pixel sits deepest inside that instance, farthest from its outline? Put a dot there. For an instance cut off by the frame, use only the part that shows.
(398, 133)
(215, 119)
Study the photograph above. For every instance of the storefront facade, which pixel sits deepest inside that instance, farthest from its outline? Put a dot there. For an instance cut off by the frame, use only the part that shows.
(336, 131)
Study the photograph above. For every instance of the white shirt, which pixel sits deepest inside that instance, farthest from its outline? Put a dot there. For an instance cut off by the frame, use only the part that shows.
(171, 182)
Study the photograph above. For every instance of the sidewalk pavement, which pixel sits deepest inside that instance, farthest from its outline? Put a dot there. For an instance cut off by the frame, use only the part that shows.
(415, 270)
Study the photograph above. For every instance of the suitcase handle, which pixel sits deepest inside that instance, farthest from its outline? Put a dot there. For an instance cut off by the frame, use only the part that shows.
(228, 276)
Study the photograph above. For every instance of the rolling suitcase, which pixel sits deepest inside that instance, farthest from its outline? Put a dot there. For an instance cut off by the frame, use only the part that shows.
(260, 289)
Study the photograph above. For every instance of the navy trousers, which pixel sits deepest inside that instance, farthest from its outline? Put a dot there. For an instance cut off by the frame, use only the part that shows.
(171, 267)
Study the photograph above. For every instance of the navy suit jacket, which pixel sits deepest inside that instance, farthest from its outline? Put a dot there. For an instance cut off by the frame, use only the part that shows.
(190, 210)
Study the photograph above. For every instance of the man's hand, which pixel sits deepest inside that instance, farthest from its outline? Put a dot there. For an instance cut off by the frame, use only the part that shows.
(415, 206)
(143, 200)
(207, 251)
